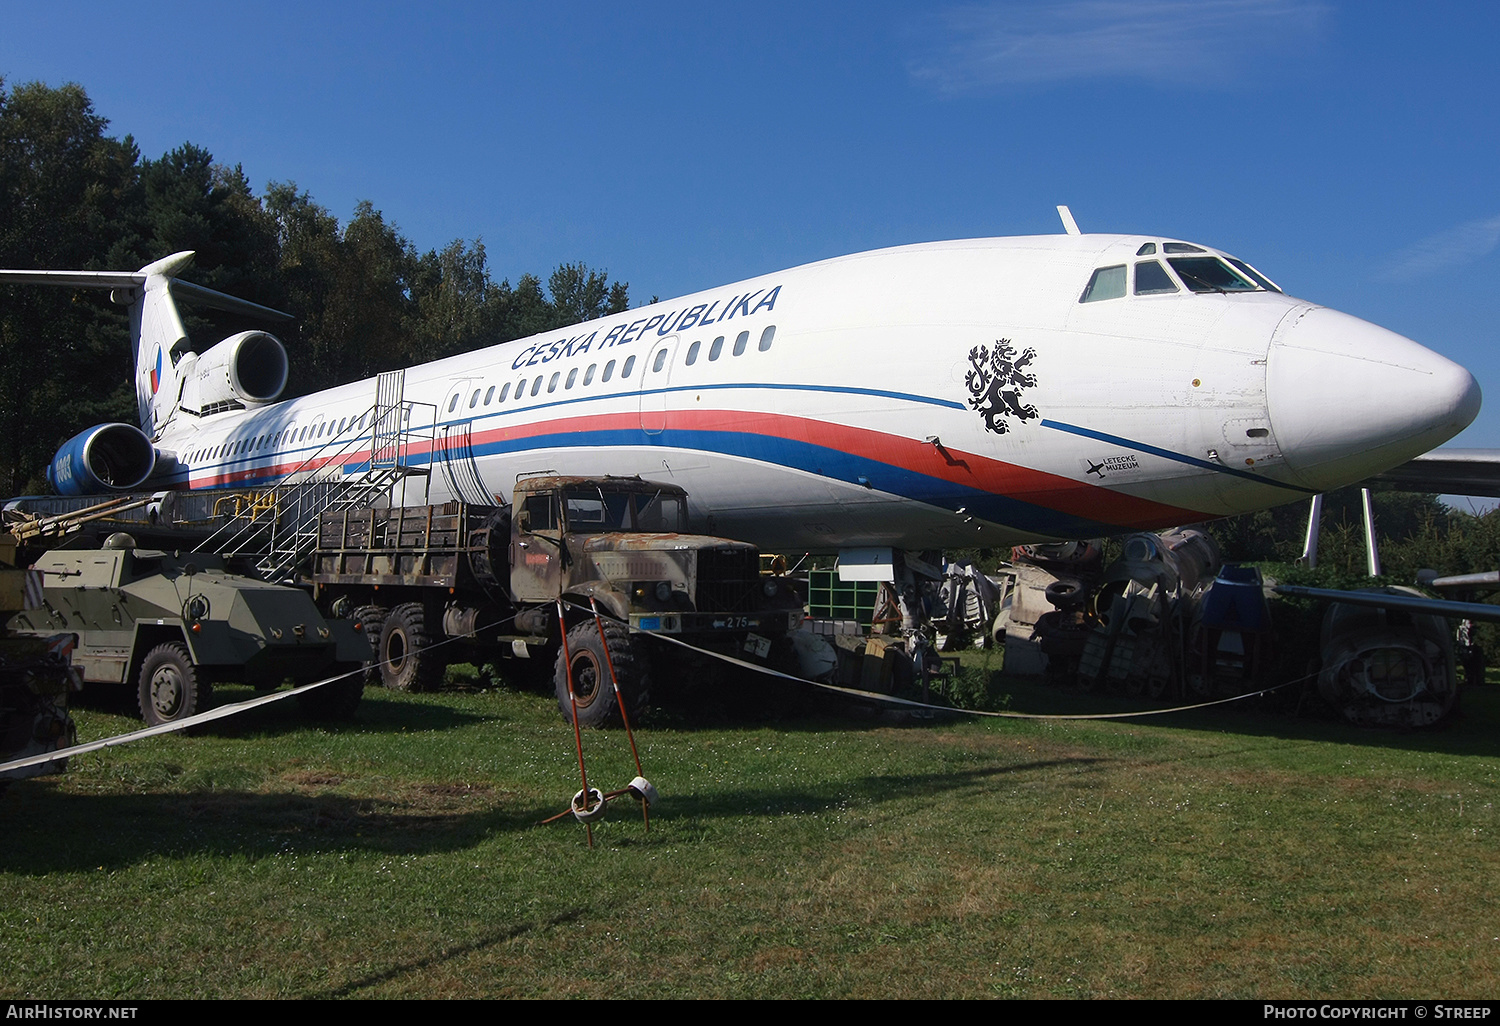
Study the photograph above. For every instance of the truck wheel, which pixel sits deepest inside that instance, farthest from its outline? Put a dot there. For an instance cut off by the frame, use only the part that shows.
(405, 650)
(169, 685)
(336, 701)
(591, 685)
(371, 620)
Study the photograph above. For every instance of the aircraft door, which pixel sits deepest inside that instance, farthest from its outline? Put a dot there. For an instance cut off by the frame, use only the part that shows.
(454, 446)
(455, 403)
(655, 380)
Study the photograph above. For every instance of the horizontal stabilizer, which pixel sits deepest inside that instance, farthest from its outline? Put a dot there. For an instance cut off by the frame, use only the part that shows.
(77, 279)
(165, 269)
(186, 290)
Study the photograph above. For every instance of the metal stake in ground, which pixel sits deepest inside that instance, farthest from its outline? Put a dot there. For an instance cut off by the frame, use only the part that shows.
(562, 624)
(609, 662)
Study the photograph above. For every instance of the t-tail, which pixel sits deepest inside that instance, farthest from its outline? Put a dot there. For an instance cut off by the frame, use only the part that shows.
(171, 380)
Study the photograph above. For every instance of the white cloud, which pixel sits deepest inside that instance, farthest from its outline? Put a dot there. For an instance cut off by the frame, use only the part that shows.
(1460, 245)
(983, 46)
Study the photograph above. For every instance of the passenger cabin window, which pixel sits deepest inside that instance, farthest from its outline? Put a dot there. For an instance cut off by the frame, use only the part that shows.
(692, 356)
(740, 341)
(609, 369)
(572, 378)
(588, 375)
(717, 348)
(552, 383)
(504, 393)
(1106, 283)
(489, 394)
(629, 364)
(453, 403)
(474, 399)
(1152, 279)
(536, 386)
(766, 337)
(661, 361)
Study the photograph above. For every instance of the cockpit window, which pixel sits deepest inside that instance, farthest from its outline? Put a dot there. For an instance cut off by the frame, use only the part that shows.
(1181, 247)
(1147, 249)
(1106, 283)
(1152, 279)
(1255, 276)
(1210, 274)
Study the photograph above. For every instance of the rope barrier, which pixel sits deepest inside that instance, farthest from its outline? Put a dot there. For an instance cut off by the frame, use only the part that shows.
(217, 713)
(912, 704)
(225, 711)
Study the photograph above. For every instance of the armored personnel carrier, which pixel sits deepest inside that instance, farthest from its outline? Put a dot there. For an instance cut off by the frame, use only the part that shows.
(174, 624)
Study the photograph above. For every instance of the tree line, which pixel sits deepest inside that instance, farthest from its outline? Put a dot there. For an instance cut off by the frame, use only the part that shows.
(73, 196)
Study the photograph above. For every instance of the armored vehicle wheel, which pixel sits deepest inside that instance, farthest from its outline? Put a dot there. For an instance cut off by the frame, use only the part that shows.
(408, 662)
(169, 685)
(371, 620)
(592, 690)
(338, 700)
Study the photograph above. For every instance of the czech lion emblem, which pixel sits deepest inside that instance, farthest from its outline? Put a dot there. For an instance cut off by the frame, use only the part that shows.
(995, 381)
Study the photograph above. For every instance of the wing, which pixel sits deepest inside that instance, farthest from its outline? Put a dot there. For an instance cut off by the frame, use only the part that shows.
(1449, 472)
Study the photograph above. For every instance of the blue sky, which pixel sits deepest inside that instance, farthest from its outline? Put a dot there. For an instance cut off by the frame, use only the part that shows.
(1348, 150)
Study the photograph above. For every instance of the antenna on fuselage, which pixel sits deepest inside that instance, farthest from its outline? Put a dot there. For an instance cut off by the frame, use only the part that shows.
(1069, 225)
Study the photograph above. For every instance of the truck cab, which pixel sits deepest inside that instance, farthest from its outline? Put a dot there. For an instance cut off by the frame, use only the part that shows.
(625, 543)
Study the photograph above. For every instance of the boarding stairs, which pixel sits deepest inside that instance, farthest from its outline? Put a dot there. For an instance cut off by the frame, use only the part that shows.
(277, 528)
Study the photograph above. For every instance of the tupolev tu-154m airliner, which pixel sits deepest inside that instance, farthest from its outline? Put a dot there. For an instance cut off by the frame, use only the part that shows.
(978, 392)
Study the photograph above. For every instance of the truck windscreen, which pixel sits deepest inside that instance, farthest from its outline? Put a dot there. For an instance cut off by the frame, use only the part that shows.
(591, 511)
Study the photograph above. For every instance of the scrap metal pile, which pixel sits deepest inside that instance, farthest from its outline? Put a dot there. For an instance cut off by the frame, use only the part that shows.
(1168, 619)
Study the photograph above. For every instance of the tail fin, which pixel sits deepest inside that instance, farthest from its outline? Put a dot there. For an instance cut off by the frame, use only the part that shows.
(158, 337)
(160, 340)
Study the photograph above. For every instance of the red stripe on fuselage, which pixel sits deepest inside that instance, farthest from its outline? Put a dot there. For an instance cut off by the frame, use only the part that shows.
(1039, 488)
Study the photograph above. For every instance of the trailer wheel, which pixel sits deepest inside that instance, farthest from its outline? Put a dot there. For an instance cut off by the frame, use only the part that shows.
(169, 686)
(338, 700)
(408, 662)
(371, 620)
(592, 690)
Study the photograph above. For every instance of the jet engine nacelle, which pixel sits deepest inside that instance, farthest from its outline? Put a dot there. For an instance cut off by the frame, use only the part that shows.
(106, 458)
(244, 370)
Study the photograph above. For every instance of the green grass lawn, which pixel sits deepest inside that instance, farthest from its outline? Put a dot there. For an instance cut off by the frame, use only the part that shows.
(1241, 854)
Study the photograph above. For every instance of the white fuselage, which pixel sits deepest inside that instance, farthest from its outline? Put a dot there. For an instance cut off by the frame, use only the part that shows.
(939, 395)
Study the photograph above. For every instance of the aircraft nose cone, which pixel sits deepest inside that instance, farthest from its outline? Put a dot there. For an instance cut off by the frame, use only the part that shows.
(1348, 399)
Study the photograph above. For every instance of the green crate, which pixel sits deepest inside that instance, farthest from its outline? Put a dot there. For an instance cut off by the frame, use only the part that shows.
(829, 598)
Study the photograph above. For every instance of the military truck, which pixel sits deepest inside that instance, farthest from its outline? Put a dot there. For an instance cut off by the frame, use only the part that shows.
(490, 578)
(175, 624)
